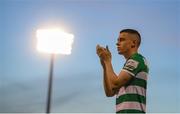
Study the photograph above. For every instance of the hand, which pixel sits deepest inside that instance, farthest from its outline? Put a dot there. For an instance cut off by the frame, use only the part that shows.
(103, 53)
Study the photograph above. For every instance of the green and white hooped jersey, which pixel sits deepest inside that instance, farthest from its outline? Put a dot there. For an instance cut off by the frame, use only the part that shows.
(131, 98)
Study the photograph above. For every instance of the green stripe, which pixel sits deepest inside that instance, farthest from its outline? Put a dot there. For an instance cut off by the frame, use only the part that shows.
(146, 69)
(139, 82)
(130, 111)
(131, 97)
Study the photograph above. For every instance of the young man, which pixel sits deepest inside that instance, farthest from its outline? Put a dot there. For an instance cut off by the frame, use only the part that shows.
(130, 85)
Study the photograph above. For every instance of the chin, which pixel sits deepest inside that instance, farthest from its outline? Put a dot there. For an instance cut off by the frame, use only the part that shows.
(120, 53)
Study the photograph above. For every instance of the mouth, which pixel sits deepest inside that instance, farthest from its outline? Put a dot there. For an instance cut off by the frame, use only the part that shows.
(118, 49)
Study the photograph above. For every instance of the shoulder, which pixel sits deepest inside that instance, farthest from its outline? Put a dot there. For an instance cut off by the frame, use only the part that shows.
(137, 57)
(136, 63)
(135, 60)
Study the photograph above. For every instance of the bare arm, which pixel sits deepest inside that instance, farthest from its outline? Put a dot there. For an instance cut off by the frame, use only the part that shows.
(106, 82)
(111, 91)
(116, 82)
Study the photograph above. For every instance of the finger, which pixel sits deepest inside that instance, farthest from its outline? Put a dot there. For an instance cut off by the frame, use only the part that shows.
(99, 51)
(107, 48)
(97, 46)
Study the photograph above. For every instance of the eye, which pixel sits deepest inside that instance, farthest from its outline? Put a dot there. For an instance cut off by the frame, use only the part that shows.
(121, 39)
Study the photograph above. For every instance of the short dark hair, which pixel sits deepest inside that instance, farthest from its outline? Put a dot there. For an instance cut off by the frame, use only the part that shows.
(133, 31)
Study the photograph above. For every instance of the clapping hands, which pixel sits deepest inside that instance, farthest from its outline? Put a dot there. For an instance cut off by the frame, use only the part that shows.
(103, 53)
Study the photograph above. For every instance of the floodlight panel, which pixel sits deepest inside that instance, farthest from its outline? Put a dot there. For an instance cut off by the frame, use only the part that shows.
(54, 41)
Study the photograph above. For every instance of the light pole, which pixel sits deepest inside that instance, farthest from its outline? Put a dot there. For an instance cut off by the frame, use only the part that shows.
(53, 41)
(48, 104)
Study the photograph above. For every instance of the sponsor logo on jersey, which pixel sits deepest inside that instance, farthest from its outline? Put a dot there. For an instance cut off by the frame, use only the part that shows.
(131, 64)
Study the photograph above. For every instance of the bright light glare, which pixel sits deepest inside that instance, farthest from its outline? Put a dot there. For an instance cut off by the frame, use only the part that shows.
(54, 41)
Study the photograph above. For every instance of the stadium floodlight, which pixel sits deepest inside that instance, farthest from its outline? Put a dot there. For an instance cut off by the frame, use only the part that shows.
(53, 41)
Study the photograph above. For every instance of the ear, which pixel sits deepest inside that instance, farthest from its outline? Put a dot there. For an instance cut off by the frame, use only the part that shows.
(133, 44)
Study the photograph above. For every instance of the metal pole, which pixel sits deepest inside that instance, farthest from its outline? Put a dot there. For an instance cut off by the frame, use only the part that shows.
(50, 83)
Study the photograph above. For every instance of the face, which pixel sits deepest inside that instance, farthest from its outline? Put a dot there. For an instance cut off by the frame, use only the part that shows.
(124, 43)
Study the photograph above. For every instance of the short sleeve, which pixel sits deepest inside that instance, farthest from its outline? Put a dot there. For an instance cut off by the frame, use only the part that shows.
(132, 66)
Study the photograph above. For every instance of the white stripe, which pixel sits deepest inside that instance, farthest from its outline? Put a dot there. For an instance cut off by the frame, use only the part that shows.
(128, 72)
(142, 75)
(132, 90)
(130, 105)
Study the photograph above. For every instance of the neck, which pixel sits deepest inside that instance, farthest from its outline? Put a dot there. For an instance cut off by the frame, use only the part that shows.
(129, 54)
